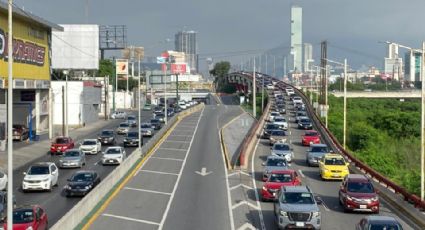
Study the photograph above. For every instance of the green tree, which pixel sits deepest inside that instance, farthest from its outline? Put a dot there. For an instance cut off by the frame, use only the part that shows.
(220, 70)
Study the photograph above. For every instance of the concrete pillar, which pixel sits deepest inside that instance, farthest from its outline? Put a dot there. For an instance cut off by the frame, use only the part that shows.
(37, 108)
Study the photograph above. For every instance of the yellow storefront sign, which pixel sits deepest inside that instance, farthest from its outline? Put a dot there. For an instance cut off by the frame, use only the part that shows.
(30, 50)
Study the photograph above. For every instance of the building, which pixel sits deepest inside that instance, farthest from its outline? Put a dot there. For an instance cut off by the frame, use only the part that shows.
(186, 41)
(412, 66)
(308, 57)
(393, 64)
(392, 51)
(31, 69)
(296, 38)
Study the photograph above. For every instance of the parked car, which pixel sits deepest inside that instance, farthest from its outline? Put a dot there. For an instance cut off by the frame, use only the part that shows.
(90, 146)
(310, 137)
(158, 109)
(20, 132)
(147, 107)
(131, 139)
(132, 121)
(273, 163)
(32, 217)
(358, 194)
(305, 123)
(113, 155)
(72, 158)
(333, 167)
(281, 122)
(156, 124)
(40, 176)
(296, 207)
(118, 115)
(276, 180)
(379, 223)
(61, 144)
(283, 150)
(146, 129)
(277, 136)
(315, 153)
(107, 137)
(81, 183)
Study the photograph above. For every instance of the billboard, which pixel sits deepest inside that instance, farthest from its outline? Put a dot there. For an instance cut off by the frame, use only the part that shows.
(31, 50)
(178, 68)
(77, 47)
(121, 66)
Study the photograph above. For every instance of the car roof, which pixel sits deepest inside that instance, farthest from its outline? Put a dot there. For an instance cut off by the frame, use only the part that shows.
(357, 177)
(42, 164)
(286, 171)
(301, 188)
(274, 157)
(318, 145)
(89, 140)
(381, 218)
(332, 155)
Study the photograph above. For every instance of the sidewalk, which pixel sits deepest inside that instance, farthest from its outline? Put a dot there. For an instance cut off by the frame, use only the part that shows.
(27, 152)
(234, 133)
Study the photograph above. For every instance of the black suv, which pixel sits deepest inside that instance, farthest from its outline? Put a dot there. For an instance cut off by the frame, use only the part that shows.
(107, 137)
(131, 139)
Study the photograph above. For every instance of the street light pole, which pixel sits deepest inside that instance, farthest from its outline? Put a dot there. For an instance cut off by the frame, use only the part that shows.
(138, 110)
(254, 105)
(165, 92)
(326, 96)
(10, 121)
(66, 103)
(423, 123)
(345, 104)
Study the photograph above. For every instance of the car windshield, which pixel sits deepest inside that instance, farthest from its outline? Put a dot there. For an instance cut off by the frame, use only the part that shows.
(144, 126)
(281, 147)
(279, 119)
(297, 198)
(334, 161)
(23, 216)
(153, 121)
(38, 170)
(311, 134)
(113, 151)
(301, 113)
(360, 187)
(272, 126)
(276, 162)
(305, 120)
(89, 142)
(107, 133)
(82, 177)
(61, 140)
(123, 125)
(71, 154)
(133, 134)
(278, 133)
(319, 149)
(385, 226)
(274, 114)
(280, 178)
(17, 126)
(131, 118)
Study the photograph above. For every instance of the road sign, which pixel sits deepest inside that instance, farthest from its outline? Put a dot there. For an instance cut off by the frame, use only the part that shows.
(178, 68)
(161, 60)
(122, 66)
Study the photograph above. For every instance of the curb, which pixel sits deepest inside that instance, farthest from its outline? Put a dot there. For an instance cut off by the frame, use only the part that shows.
(223, 145)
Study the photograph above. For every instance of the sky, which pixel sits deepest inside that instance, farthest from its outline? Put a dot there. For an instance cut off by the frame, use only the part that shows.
(352, 27)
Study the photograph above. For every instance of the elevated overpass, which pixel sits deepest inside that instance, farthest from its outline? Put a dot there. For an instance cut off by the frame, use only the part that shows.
(380, 94)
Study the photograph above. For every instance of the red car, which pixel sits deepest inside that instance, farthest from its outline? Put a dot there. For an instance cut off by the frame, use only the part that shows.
(310, 137)
(61, 144)
(358, 194)
(29, 217)
(276, 180)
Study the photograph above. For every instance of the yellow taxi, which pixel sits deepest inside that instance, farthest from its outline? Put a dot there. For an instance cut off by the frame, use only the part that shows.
(333, 167)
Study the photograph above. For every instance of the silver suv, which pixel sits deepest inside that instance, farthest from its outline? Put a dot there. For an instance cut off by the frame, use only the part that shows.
(296, 207)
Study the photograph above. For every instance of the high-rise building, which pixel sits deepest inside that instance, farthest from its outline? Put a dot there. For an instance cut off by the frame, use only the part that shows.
(412, 66)
(392, 50)
(308, 56)
(296, 38)
(393, 64)
(185, 41)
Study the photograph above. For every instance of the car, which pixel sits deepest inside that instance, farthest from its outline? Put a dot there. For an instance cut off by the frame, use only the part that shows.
(282, 150)
(131, 139)
(20, 132)
(72, 158)
(107, 137)
(160, 117)
(277, 135)
(305, 123)
(90, 146)
(81, 183)
(273, 163)
(333, 167)
(29, 217)
(310, 137)
(118, 115)
(3, 204)
(123, 128)
(113, 155)
(40, 176)
(132, 121)
(296, 207)
(61, 144)
(270, 86)
(272, 115)
(182, 105)
(276, 180)
(281, 122)
(281, 110)
(357, 193)
(146, 129)
(299, 115)
(315, 153)
(3, 180)
(378, 222)
(299, 106)
(268, 128)
(170, 112)
(156, 124)
(297, 99)
(147, 107)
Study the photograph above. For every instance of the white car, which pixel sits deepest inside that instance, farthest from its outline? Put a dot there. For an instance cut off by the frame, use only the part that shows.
(3, 181)
(123, 128)
(270, 86)
(273, 115)
(90, 146)
(281, 122)
(41, 176)
(113, 155)
(182, 105)
(297, 100)
(118, 115)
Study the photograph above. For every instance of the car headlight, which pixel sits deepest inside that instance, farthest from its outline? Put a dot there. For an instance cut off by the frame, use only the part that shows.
(29, 228)
(47, 179)
(376, 198)
(66, 187)
(264, 188)
(87, 187)
(272, 139)
(60, 160)
(283, 213)
(316, 214)
(349, 198)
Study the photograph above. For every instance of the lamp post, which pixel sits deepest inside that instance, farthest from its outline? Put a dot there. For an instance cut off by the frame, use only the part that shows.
(66, 72)
(254, 105)
(10, 120)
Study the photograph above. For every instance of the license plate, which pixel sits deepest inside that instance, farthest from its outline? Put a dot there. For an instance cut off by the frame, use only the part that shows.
(274, 194)
(110, 161)
(105, 142)
(336, 175)
(363, 206)
(299, 224)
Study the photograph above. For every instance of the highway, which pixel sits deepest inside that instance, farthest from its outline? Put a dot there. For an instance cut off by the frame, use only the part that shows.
(55, 203)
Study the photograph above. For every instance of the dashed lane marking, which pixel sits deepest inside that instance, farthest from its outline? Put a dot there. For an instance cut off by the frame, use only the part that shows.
(241, 185)
(158, 172)
(167, 158)
(173, 149)
(246, 203)
(148, 191)
(130, 219)
(301, 173)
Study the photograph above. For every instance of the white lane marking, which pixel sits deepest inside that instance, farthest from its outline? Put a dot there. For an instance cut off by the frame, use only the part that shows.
(131, 219)
(184, 142)
(246, 226)
(240, 185)
(167, 209)
(237, 173)
(97, 162)
(324, 204)
(172, 149)
(257, 197)
(166, 158)
(301, 173)
(247, 203)
(177, 135)
(188, 126)
(146, 190)
(158, 172)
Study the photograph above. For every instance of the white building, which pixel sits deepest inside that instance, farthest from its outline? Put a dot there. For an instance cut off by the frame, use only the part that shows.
(296, 38)
(308, 56)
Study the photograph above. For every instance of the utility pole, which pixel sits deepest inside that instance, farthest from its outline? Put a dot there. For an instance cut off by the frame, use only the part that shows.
(106, 85)
(254, 105)
(114, 87)
(326, 95)
(10, 120)
(66, 103)
(63, 111)
(165, 92)
(177, 87)
(423, 123)
(345, 105)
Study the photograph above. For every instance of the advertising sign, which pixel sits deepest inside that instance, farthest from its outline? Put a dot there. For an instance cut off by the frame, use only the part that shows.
(122, 66)
(178, 68)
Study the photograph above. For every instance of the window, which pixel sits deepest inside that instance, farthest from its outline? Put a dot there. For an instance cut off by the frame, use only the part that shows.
(54, 168)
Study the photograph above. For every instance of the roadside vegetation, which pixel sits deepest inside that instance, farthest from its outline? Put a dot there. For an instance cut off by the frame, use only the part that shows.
(383, 133)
